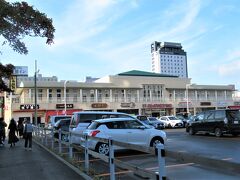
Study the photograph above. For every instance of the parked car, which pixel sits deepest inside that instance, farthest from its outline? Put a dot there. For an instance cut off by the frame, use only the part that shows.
(81, 120)
(184, 117)
(156, 123)
(126, 130)
(150, 121)
(171, 121)
(64, 125)
(219, 122)
(54, 119)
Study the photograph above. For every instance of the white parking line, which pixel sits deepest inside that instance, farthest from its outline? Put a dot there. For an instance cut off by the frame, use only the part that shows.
(227, 159)
(170, 166)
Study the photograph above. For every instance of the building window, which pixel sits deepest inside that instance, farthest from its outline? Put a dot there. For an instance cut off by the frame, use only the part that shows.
(59, 95)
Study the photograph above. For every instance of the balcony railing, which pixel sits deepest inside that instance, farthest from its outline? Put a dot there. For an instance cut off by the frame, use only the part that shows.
(73, 100)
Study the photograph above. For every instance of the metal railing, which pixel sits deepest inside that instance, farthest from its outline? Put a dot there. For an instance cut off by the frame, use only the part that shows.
(46, 137)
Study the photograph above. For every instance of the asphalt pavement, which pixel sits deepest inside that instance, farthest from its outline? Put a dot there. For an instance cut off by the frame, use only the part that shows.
(17, 163)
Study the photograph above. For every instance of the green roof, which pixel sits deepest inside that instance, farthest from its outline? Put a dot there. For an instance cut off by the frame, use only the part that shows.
(144, 73)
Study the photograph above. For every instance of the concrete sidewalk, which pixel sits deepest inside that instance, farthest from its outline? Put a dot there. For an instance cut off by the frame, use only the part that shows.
(38, 164)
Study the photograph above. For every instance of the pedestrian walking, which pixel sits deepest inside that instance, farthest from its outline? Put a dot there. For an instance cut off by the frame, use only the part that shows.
(28, 129)
(12, 138)
(2, 131)
(20, 128)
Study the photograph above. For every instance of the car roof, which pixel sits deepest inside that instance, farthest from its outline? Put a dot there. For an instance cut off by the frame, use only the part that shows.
(61, 116)
(113, 120)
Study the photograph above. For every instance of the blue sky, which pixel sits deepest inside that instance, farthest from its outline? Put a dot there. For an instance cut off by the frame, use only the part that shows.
(106, 37)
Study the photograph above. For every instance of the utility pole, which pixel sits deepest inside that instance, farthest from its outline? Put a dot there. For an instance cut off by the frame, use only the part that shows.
(35, 92)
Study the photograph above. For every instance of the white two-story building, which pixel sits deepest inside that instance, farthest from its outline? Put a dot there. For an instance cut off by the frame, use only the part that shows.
(133, 92)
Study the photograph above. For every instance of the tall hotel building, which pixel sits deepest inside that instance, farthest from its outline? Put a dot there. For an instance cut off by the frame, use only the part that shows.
(169, 58)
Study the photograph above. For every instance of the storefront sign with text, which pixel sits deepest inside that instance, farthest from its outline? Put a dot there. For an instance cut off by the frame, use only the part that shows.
(60, 106)
(99, 105)
(28, 106)
(156, 106)
(129, 105)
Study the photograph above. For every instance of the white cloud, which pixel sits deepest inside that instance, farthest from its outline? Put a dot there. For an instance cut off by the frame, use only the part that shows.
(228, 69)
(233, 55)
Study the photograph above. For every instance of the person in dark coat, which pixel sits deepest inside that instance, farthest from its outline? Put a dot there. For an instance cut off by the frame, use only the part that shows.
(20, 128)
(2, 130)
(12, 138)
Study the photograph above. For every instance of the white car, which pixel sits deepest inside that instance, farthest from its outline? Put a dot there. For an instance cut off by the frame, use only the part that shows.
(126, 130)
(171, 121)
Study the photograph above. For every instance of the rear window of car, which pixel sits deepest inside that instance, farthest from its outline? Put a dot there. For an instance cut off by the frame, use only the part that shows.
(233, 115)
(173, 118)
(60, 117)
(142, 118)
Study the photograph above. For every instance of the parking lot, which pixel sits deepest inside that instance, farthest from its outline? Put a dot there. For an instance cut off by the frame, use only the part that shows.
(224, 148)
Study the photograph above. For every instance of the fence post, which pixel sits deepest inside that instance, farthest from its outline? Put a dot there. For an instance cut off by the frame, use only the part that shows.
(42, 135)
(86, 153)
(52, 133)
(38, 132)
(161, 162)
(59, 141)
(111, 159)
(70, 145)
(45, 135)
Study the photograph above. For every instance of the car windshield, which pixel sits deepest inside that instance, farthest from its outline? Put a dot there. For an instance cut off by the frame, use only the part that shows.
(172, 118)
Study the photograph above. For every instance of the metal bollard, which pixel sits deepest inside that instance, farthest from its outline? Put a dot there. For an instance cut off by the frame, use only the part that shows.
(52, 134)
(70, 145)
(111, 159)
(59, 141)
(161, 162)
(86, 153)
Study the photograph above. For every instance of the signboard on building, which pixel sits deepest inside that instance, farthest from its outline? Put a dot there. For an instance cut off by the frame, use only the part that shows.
(184, 104)
(205, 103)
(13, 83)
(128, 105)
(28, 106)
(156, 106)
(99, 105)
(221, 104)
(61, 106)
(20, 71)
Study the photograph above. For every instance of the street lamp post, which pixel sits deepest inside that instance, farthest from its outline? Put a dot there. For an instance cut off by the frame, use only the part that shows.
(35, 92)
(65, 101)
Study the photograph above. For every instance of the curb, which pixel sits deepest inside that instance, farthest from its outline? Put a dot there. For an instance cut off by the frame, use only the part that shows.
(64, 161)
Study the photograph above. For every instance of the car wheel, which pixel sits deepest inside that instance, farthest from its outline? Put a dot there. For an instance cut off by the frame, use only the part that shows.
(102, 148)
(156, 141)
(218, 132)
(191, 131)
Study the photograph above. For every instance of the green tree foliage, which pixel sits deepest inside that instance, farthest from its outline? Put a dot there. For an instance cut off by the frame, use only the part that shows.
(5, 73)
(18, 20)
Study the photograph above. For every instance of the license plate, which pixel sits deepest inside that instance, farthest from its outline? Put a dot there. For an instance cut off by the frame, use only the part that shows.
(235, 122)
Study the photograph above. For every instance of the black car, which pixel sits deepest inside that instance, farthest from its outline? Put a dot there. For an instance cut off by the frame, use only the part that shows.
(64, 125)
(219, 122)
